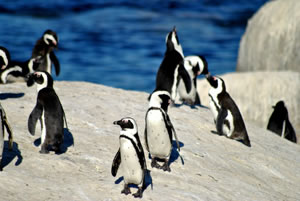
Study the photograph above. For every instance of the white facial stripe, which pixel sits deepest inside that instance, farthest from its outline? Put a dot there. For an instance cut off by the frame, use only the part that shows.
(50, 37)
(6, 72)
(130, 132)
(177, 46)
(4, 56)
(44, 84)
(30, 65)
(155, 100)
(196, 60)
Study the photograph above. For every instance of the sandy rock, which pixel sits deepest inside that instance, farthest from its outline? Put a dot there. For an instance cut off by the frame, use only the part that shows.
(215, 168)
(255, 93)
(271, 41)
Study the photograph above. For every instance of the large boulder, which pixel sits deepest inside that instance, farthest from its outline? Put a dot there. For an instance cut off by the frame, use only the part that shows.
(256, 92)
(215, 168)
(272, 38)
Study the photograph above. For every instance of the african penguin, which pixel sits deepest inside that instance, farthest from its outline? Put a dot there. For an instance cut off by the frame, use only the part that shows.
(279, 122)
(18, 69)
(50, 112)
(131, 156)
(172, 67)
(194, 65)
(159, 130)
(44, 54)
(228, 119)
(4, 123)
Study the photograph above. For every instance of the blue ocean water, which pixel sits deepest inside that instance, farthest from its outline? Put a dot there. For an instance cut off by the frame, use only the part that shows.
(121, 43)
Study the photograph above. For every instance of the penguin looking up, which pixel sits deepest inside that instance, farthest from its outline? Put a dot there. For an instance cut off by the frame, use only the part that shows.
(49, 111)
(159, 130)
(43, 52)
(227, 116)
(131, 156)
(171, 70)
(194, 65)
(279, 122)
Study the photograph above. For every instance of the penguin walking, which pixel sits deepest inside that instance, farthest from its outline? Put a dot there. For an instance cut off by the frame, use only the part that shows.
(194, 65)
(279, 122)
(159, 130)
(227, 116)
(131, 156)
(4, 123)
(50, 112)
(44, 54)
(172, 69)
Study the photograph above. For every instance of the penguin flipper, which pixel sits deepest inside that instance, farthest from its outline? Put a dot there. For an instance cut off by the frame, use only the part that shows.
(169, 123)
(33, 117)
(185, 77)
(145, 133)
(220, 120)
(141, 153)
(55, 62)
(8, 128)
(116, 163)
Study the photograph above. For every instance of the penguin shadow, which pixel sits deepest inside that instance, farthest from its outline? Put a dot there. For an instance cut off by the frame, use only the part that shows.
(175, 153)
(68, 141)
(196, 107)
(9, 156)
(4, 96)
(148, 180)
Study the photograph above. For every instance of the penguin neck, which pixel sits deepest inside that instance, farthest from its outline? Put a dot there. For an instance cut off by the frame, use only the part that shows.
(128, 132)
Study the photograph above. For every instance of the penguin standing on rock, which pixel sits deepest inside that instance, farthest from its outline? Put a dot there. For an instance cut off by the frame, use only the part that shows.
(50, 112)
(131, 157)
(4, 60)
(227, 116)
(159, 130)
(44, 54)
(172, 69)
(194, 65)
(279, 123)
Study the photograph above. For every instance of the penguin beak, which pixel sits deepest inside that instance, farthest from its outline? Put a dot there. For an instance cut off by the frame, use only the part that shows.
(117, 122)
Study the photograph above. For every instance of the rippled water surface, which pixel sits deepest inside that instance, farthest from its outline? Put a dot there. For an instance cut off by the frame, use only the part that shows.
(122, 43)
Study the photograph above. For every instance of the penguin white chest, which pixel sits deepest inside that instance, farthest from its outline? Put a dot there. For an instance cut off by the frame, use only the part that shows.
(132, 171)
(43, 125)
(157, 135)
(48, 63)
(229, 127)
(214, 106)
(174, 85)
(191, 96)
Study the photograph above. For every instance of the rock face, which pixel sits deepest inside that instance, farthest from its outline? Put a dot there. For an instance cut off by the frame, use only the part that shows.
(215, 168)
(272, 38)
(255, 94)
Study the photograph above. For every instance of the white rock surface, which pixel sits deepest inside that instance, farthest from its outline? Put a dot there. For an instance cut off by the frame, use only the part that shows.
(271, 41)
(215, 168)
(256, 92)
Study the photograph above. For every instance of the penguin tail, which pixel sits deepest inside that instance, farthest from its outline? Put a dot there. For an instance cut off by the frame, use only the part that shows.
(246, 141)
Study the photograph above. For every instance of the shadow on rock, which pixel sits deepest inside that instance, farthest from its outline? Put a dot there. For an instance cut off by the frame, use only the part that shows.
(175, 154)
(68, 141)
(4, 96)
(9, 156)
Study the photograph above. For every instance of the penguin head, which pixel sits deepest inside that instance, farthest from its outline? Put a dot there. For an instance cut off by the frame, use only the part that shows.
(127, 124)
(172, 42)
(50, 38)
(280, 108)
(197, 64)
(42, 78)
(160, 99)
(216, 83)
(4, 57)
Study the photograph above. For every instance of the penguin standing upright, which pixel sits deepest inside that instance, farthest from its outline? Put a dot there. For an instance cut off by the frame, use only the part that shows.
(194, 65)
(50, 112)
(159, 130)
(4, 60)
(279, 122)
(131, 157)
(44, 54)
(227, 116)
(172, 67)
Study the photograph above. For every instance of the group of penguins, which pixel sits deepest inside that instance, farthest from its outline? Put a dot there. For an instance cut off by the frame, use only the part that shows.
(176, 80)
(48, 108)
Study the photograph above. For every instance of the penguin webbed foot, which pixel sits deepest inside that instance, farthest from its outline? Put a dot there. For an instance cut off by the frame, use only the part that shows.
(166, 166)
(126, 190)
(139, 193)
(44, 150)
(154, 164)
